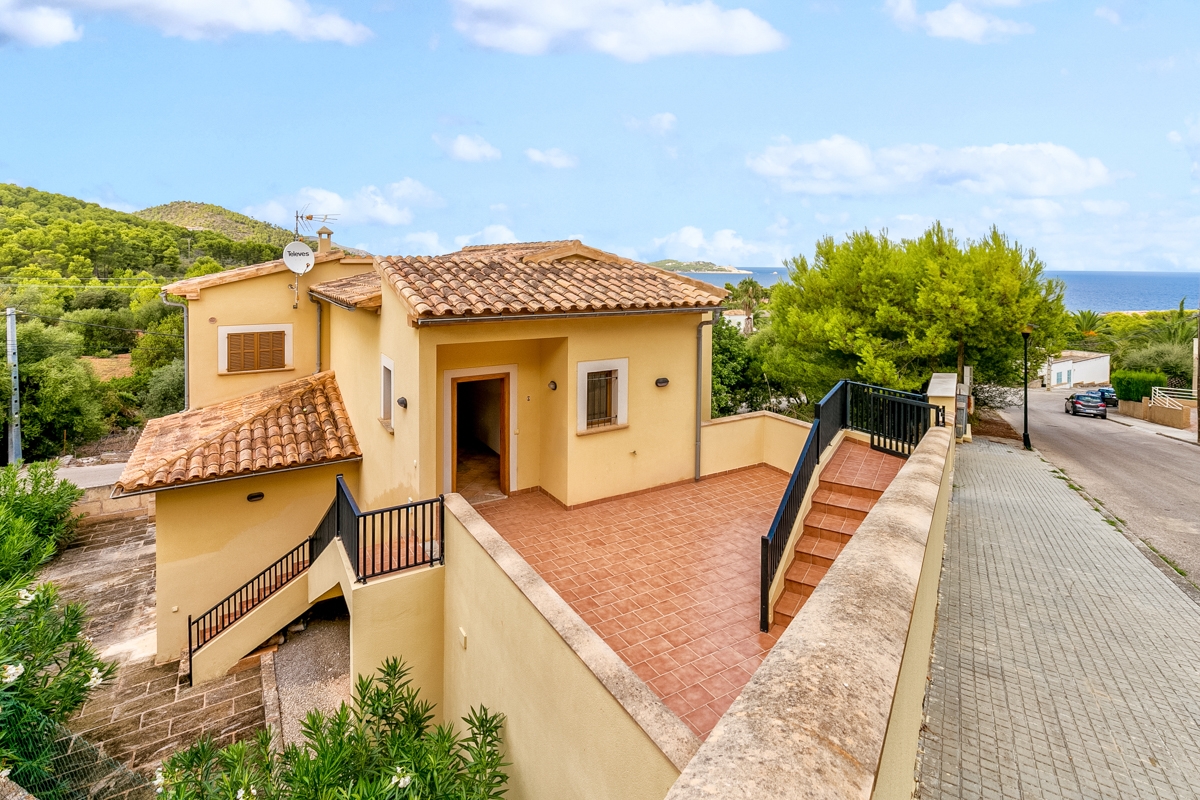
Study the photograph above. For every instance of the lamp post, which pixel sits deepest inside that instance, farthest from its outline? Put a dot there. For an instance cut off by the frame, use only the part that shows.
(1028, 329)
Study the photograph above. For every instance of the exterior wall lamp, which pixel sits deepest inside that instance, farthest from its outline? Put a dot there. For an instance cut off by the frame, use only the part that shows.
(553, 385)
(661, 382)
(402, 402)
(254, 497)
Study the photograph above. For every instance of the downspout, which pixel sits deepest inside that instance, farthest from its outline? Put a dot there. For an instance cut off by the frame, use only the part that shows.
(187, 396)
(318, 302)
(700, 381)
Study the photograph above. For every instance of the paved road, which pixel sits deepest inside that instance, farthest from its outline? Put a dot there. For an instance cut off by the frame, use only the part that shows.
(96, 475)
(1151, 482)
(1065, 664)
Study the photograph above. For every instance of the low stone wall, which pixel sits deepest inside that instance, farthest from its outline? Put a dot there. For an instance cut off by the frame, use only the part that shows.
(98, 502)
(1160, 415)
(748, 440)
(1131, 408)
(835, 710)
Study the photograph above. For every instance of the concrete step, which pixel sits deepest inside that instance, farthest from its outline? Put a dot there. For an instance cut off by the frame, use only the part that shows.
(803, 578)
(824, 523)
(830, 497)
(818, 551)
(788, 606)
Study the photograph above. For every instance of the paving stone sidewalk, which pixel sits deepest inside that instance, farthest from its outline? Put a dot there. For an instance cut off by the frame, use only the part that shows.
(1065, 665)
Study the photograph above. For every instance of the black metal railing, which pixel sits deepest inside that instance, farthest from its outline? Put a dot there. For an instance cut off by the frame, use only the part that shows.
(376, 542)
(248, 596)
(895, 420)
(390, 539)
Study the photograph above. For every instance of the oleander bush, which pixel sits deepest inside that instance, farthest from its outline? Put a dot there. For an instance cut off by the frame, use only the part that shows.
(383, 747)
(1130, 385)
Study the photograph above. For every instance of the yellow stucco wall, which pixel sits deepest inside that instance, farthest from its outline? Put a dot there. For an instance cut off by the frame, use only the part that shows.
(565, 735)
(744, 440)
(211, 540)
(256, 301)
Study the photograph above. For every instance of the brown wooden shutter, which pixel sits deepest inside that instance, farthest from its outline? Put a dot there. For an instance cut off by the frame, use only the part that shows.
(236, 359)
(276, 350)
(255, 351)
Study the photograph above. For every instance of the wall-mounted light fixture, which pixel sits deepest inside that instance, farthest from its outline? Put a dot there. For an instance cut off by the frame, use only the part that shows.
(402, 402)
(254, 497)
(553, 385)
(661, 382)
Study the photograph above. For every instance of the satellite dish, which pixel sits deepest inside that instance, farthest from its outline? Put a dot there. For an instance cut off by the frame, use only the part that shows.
(298, 257)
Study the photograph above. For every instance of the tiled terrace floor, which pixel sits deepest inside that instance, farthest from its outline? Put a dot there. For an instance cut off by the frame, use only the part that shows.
(669, 579)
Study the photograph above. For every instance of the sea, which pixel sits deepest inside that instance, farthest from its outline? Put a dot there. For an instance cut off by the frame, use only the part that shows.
(1093, 291)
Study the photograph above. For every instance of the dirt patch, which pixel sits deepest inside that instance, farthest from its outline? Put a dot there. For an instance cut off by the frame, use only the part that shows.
(120, 442)
(312, 671)
(988, 423)
(118, 366)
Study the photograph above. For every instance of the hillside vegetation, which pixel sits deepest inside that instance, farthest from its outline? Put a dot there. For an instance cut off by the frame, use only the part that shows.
(207, 216)
(690, 266)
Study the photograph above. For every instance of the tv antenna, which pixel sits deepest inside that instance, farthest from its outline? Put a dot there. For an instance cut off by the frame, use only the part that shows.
(298, 256)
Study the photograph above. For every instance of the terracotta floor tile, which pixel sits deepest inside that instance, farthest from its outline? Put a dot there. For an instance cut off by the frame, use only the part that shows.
(670, 573)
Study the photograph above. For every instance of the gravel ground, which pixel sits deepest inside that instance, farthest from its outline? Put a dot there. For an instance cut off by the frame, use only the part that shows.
(312, 669)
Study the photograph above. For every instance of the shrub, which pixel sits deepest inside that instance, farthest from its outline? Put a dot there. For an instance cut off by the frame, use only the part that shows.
(46, 662)
(1170, 358)
(42, 499)
(154, 350)
(1136, 385)
(164, 392)
(384, 748)
(104, 330)
(61, 406)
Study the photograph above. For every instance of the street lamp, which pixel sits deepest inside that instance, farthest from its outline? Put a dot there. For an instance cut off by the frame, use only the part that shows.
(1028, 329)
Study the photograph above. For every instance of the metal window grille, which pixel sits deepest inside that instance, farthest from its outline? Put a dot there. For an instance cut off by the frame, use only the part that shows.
(601, 398)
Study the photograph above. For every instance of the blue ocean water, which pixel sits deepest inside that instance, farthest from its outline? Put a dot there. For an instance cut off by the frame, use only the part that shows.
(1095, 291)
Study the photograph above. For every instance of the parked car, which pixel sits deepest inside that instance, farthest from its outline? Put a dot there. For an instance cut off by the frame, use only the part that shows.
(1109, 396)
(1090, 403)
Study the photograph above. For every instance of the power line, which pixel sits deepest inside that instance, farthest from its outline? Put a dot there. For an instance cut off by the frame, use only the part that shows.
(108, 327)
(80, 287)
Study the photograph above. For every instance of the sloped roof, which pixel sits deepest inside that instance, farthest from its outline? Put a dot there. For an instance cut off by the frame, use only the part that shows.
(538, 278)
(353, 291)
(190, 288)
(299, 423)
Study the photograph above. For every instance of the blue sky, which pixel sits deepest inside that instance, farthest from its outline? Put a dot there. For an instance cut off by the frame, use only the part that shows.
(733, 131)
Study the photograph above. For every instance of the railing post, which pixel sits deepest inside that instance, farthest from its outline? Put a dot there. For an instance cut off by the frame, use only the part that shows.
(189, 650)
(764, 583)
(442, 528)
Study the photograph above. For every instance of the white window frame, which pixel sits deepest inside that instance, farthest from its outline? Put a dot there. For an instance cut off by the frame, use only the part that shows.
(621, 367)
(387, 381)
(223, 332)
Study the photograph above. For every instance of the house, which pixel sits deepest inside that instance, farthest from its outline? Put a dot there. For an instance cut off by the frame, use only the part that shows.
(1075, 368)
(501, 459)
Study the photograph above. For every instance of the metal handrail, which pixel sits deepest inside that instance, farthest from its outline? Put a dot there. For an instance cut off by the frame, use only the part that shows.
(896, 422)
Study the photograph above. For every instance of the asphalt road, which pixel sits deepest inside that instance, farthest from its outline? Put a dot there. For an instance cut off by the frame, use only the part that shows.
(1151, 482)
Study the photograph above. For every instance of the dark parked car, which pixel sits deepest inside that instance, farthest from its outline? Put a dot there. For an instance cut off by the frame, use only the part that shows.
(1108, 396)
(1090, 403)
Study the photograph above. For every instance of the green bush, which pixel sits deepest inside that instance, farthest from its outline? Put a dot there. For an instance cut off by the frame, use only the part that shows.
(1173, 359)
(104, 330)
(164, 391)
(1135, 385)
(60, 406)
(154, 350)
(384, 748)
(39, 496)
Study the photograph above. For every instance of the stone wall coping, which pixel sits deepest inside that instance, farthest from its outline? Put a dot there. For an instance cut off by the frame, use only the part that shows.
(943, 384)
(667, 731)
(812, 720)
(752, 415)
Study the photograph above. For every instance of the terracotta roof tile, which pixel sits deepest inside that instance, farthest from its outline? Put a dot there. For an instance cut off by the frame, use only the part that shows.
(354, 291)
(538, 278)
(294, 424)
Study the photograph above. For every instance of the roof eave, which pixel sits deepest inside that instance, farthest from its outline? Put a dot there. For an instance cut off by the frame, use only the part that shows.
(630, 312)
(115, 494)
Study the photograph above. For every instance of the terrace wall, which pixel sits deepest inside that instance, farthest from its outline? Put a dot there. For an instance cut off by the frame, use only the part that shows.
(748, 440)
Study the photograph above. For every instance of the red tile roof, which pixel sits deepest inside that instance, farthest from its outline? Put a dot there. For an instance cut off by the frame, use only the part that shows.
(538, 278)
(295, 424)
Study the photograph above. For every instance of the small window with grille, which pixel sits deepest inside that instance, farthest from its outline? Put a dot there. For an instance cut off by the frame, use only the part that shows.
(254, 348)
(602, 398)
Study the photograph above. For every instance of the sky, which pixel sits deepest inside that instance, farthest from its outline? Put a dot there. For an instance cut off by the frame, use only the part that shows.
(733, 131)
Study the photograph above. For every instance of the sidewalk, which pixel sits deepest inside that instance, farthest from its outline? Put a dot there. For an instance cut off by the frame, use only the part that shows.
(1183, 434)
(1065, 664)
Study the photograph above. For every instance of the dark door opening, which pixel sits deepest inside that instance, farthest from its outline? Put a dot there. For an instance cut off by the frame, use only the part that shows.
(481, 438)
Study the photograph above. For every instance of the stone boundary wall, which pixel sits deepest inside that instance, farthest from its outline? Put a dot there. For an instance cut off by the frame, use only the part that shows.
(98, 502)
(835, 709)
(1160, 415)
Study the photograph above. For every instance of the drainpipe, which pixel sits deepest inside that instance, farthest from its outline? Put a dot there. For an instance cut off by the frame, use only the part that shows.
(187, 396)
(318, 302)
(700, 382)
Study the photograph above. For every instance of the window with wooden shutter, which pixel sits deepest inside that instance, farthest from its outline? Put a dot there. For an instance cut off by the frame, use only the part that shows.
(257, 350)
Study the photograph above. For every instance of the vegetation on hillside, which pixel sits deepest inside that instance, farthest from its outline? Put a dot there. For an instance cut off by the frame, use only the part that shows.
(382, 748)
(1156, 341)
(690, 266)
(891, 313)
(236, 226)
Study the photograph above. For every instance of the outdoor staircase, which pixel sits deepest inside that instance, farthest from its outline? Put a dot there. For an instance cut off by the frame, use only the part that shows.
(850, 484)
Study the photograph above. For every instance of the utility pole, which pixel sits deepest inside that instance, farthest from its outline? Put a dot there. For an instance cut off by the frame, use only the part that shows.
(14, 418)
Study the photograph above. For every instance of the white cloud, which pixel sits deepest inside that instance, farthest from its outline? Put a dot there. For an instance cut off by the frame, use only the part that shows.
(660, 124)
(631, 30)
(1105, 208)
(369, 205)
(424, 243)
(49, 22)
(840, 165)
(1108, 15)
(725, 246)
(1189, 140)
(492, 234)
(551, 158)
(958, 20)
(469, 148)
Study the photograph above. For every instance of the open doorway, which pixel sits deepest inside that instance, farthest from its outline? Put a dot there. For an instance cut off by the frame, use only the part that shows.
(480, 437)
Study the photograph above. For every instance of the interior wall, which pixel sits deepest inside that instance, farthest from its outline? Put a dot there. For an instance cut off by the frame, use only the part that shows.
(479, 404)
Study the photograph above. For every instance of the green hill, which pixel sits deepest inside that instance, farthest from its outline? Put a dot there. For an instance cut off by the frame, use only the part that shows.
(690, 266)
(205, 216)
(54, 233)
